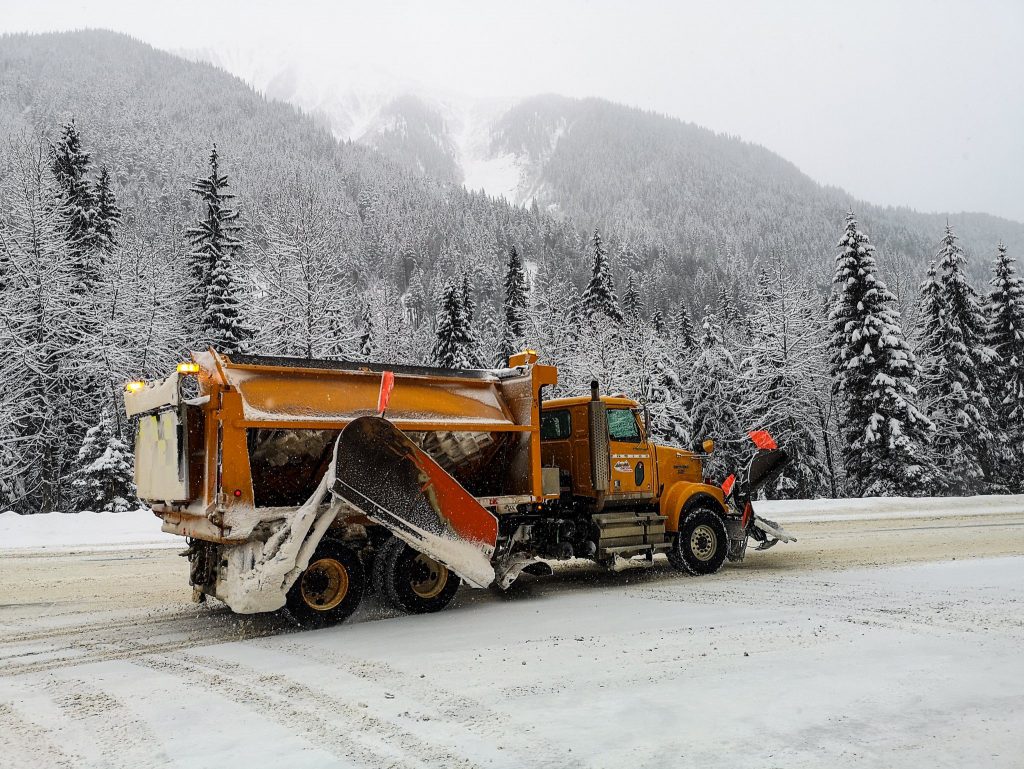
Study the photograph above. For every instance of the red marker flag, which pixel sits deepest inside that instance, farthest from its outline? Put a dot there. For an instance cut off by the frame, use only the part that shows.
(387, 384)
(727, 484)
(762, 439)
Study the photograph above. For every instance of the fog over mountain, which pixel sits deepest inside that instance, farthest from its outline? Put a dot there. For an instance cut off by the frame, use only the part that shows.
(912, 103)
(601, 163)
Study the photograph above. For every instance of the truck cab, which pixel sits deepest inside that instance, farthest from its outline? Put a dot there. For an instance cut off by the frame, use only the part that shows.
(607, 460)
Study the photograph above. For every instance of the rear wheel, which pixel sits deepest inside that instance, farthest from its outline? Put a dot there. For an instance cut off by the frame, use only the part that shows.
(330, 588)
(702, 542)
(412, 581)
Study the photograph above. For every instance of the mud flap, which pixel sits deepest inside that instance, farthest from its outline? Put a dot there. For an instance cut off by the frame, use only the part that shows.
(383, 474)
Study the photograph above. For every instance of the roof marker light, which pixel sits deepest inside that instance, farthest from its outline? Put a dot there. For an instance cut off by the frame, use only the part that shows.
(188, 368)
(134, 387)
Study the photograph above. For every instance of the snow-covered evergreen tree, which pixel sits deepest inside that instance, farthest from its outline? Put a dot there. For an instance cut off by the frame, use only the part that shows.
(366, 343)
(954, 356)
(213, 260)
(886, 435)
(470, 343)
(514, 307)
(632, 303)
(70, 166)
(658, 323)
(451, 344)
(682, 328)
(599, 296)
(104, 480)
(1004, 335)
(107, 214)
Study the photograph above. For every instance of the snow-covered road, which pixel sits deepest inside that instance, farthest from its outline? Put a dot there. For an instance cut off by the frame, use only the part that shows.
(865, 644)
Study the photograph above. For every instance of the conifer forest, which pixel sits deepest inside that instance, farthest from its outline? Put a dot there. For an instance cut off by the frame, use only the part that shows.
(885, 347)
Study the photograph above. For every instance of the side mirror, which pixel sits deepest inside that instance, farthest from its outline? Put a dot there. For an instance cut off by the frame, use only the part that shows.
(708, 445)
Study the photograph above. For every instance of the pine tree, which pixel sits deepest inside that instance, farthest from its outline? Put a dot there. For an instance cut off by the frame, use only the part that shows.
(1004, 335)
(108, 215)
(513, 328)
(215, 246)
(727, 310)
(599, 296)
(885, 434)
(954, 357)
(470, 342)
(658, 323)
(87, 249)
(682, 328)
(632, 304)
(450, 345)
(366, 344)
(104, 480)
(70, 166)
(515, 294)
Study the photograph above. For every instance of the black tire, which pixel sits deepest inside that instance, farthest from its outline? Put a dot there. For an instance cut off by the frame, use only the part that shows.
(702, 542)
(330, 588)
(408, 580)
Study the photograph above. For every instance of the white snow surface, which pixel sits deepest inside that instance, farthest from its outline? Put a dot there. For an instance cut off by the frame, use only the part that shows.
(805, 656)
(141, 527)
(85, 530)
(884, 508)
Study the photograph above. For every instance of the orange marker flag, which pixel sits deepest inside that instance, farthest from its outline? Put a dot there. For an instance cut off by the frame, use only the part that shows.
(387, 384)
(727, 484)
(762, 439)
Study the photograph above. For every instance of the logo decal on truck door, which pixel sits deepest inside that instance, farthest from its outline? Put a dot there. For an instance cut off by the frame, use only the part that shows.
(623, 466)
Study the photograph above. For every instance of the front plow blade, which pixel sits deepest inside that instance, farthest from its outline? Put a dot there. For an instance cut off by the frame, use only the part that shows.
(774, 531)
(394, 483)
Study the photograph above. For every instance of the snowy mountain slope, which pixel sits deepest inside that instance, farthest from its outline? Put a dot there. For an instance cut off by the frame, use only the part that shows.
(657, 178)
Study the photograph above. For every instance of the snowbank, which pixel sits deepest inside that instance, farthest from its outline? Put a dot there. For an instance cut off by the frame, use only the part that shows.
(882, 508)
(86, 529)
(140, 528)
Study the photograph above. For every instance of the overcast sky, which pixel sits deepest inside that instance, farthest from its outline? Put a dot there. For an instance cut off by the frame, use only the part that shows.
(904, 103)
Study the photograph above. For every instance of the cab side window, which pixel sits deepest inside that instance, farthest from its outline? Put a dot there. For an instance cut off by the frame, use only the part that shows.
(622, 425)
(555, 425)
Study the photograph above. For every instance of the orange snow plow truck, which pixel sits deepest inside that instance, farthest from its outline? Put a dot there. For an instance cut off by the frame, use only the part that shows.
(305, 483)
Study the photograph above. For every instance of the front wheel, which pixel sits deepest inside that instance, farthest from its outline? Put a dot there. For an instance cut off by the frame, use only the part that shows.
(702, 542)
(412, 581)
(330, 588)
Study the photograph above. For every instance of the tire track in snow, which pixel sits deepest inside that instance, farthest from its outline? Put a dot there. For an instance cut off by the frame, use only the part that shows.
(852, 602)
(471, 714)
(217, 622)
(323, 719)
(122, 737)
(24, 743)
(120, 639)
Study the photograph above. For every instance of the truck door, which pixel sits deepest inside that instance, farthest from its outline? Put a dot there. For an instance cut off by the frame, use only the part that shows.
(556, 439)
(632, 457)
